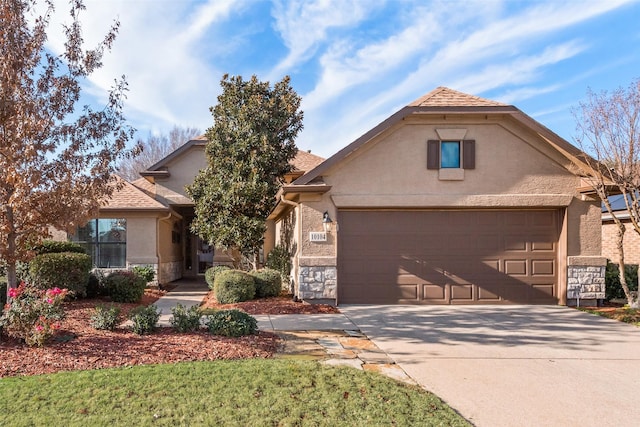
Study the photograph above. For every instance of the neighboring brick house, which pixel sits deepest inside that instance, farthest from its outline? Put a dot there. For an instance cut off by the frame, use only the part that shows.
(610, 234)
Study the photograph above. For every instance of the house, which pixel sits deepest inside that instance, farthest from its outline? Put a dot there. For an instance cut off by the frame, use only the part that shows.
(147, 221)
(610, 233)
(454, 199)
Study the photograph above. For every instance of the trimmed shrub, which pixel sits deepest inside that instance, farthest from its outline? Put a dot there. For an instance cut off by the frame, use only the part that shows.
(185, 319)
(145, 272)
(268, 282)
(145, 319)
(231, 323)
(57, 246)
(106, 318)
(124, 286)
(68, 270)
(231, 286)
(612, 280)
(211, 272)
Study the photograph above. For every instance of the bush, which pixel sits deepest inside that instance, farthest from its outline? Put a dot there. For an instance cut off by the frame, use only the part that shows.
(33, 314)
(106, 318)
(231, 323)
(124, 286)
(185, 319)
(612, 280)
(279, 259)
(62, 269)
(211, 272)
(268, 282)
(145, 272)
(231, 286)
(56, 246)
(145, 319)
(95, 285)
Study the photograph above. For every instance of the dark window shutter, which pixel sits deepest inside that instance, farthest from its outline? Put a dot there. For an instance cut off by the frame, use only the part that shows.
(433, 154)
(469, 154)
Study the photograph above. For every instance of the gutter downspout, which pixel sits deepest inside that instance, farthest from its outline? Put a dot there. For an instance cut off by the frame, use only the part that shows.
(299, 237)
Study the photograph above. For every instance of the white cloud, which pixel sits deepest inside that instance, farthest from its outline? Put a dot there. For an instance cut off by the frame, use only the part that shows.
(303, 24)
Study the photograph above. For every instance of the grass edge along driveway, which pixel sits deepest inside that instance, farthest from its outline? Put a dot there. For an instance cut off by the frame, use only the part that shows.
(254, 392)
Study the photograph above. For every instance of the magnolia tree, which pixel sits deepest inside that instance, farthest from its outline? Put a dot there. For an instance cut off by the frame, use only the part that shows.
(248, 152)
(609, 129)
(56, 157)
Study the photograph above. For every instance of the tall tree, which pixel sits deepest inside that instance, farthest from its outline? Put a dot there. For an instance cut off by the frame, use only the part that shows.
(248, 153)
(154, 149)
(56, 159)
(608, 127)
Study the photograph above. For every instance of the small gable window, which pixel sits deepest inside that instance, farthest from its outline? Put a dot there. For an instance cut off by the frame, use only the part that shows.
(451, 157)
(450, 154)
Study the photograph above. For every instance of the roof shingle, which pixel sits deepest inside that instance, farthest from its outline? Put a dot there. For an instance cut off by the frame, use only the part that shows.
(445, 97)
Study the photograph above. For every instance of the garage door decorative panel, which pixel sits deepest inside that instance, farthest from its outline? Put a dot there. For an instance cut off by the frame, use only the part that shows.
(447, 257)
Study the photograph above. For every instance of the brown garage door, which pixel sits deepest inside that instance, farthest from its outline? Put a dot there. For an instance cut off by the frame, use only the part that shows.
(448, 257)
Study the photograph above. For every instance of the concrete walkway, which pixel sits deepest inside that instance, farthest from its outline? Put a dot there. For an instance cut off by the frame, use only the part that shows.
(514, 365)
(188, 292)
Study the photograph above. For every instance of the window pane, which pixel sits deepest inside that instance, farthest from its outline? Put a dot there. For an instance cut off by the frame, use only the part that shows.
(111, 255)
(112, 230)
(450, 154)
(86, 233)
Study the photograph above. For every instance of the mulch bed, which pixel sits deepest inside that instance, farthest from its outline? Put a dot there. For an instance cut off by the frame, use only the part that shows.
(283, 304)
(77, 346)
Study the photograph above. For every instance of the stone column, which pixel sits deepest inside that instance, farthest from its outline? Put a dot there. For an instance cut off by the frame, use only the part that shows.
(585, 280)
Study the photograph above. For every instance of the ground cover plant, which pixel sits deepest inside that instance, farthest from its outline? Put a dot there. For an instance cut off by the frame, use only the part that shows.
(231, 393)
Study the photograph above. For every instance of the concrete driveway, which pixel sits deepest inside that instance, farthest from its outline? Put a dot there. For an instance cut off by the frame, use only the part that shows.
(514, 365)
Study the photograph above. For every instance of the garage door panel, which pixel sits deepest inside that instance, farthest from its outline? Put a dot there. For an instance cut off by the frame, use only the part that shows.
(448, 257)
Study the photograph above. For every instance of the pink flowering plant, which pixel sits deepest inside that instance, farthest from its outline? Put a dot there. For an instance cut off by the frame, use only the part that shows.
(33, 315)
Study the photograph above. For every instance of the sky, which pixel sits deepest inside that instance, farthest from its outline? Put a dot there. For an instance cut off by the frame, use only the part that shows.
(356, 62)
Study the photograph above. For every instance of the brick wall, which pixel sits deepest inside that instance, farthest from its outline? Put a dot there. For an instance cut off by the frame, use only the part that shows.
(631, 243)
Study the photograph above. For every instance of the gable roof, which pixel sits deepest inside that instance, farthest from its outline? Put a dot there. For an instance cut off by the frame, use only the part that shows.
(444, 100)
(445, 97)
(130, 197)
(305, 161)
(160, 167)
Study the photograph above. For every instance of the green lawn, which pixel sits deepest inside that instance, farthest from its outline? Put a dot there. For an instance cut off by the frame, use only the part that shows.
(237, 393)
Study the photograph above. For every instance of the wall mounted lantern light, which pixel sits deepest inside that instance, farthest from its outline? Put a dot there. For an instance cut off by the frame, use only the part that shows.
(326, 222)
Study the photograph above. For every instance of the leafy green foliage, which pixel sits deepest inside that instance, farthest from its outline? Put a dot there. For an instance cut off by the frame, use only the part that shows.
(145, 272)
(185, 319)
(231, 286)
(210, 274)
(3, 290)
(56, 246)
(125, 286)
(268, 282)
(248, 153)
(68, 270)
(612, 280)
(144, 319)
(231, 323)
(106, 318)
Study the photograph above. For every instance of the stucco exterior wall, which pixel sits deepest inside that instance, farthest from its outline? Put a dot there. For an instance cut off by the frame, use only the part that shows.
(141, 240)
(170, 250)
(183, 170)
(514, 168)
